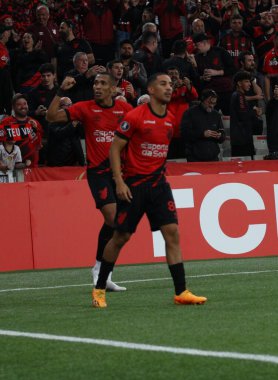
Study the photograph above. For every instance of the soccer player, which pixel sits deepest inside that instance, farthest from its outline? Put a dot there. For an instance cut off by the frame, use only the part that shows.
(145, 135)
(100, 118)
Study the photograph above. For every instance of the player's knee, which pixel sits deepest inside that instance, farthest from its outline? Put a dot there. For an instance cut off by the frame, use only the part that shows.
(171, 235)
(121, 238)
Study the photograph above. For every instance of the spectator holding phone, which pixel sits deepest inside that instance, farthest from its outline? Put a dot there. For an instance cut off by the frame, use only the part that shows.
(202, 129)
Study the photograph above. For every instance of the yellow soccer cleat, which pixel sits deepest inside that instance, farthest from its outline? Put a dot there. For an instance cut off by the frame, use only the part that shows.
(188, 298)
(98, 296)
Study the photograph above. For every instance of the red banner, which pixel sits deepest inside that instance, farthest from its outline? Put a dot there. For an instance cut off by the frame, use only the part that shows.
(220, 216)
(172, 169)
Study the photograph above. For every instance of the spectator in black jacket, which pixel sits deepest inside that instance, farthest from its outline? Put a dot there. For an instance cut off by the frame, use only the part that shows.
(243, 116)
(215, 67)
(271, 114)
(64, 145)
(148, 53)
(202, 129)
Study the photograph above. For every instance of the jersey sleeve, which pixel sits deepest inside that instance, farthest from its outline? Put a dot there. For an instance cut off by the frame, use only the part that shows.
(127, 126)
(75, 112)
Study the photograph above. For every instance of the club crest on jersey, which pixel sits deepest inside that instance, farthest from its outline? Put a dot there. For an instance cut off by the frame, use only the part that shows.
(124, 126)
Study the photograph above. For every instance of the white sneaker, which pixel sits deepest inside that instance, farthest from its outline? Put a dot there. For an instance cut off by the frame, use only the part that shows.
(110, 285)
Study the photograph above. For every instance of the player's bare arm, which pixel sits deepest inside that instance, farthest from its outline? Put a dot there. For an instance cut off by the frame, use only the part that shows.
(54, 114)
(122, 190)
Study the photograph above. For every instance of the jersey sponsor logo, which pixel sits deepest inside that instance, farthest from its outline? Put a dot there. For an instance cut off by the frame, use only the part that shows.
(149, 121)
(104, 136)
(154, 150)
(118, 112)
(168, 124)
(124, 126)
(96, 110)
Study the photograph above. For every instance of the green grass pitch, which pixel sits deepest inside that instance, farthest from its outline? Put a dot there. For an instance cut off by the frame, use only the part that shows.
(240, 317)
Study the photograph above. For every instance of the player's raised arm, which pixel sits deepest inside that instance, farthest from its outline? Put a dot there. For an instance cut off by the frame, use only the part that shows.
(122, 190)
(54, 113)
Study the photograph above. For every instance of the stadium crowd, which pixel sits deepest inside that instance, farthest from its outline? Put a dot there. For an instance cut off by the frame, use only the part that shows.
(221, 55)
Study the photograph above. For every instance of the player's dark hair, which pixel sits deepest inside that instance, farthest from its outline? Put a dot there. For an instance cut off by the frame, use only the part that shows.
(112, 79)
(153, 78)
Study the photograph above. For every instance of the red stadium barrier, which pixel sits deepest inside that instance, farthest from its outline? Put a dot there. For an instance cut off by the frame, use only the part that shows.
(220, 216)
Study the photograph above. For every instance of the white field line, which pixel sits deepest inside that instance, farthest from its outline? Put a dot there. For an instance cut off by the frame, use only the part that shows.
(141, 280)
(144, 347)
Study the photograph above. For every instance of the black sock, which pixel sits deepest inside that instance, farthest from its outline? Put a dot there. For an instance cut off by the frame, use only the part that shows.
(105, 234)
(105, 268)
(178, 275)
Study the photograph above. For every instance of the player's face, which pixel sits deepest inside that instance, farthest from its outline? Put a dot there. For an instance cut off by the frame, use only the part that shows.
(21, 108)
(103, 88)
(162, 89)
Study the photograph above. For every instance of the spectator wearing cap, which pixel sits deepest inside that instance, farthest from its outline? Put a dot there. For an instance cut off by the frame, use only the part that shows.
(170, 26)
(68, 47)
(270, 68)
(25, 63)
(45, 30)
(185, 62)
(6, 87)
(242, 117)
(215, 67)
(64, 146)
(202, 129)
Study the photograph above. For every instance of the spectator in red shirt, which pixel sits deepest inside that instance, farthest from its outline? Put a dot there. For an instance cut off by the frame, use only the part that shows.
(6, 87)
(183, 94)
(45, 31)
(123, 86)
(26, 131)
(270, 68)
(170, 26)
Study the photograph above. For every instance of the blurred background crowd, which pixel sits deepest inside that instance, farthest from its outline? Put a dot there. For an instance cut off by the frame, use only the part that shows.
(222, 57)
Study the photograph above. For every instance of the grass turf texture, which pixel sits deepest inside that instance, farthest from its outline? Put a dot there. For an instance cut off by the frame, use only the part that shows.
(240, 316)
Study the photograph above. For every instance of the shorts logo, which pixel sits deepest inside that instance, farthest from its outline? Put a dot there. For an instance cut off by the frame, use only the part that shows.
(125, 126)
(121, 217)
(171, 206)
(103, 193)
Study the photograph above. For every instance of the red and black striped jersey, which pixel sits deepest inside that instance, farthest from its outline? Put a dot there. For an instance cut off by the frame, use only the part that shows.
(236, 44)
(148, 136)
(100, 124)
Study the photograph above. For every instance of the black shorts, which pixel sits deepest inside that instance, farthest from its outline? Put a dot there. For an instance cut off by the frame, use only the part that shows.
(157, 202)
(102, 188)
